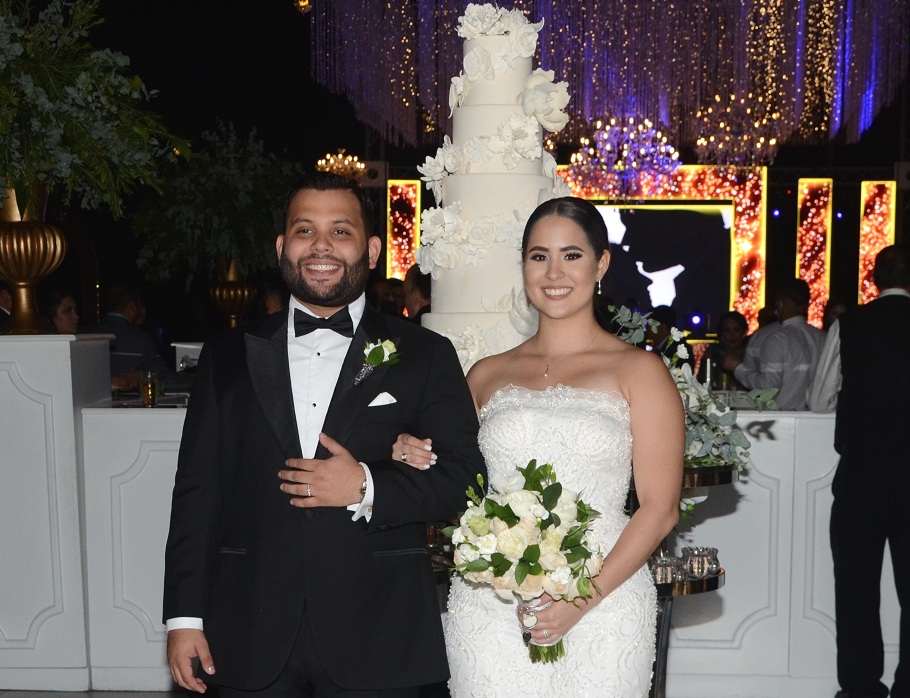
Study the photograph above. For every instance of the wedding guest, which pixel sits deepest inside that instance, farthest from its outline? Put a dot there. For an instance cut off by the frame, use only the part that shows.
(784, 357)
(573, 395)
(132, 348)
(863, 374)
(416, 291)
(6, 305)
(58, 311)
(767, 315)
(296, 561)
(732, 338)
(834, 308)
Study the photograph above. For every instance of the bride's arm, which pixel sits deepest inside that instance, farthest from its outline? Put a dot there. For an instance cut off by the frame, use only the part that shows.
(658, 446)
(417, 452)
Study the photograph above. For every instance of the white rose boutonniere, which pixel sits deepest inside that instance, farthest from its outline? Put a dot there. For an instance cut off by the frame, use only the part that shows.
(381, 353)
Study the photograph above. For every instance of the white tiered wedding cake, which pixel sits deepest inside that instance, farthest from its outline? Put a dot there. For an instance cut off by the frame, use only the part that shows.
(487, 180)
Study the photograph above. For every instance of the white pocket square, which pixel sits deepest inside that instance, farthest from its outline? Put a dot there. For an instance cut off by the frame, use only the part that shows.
(382, 399)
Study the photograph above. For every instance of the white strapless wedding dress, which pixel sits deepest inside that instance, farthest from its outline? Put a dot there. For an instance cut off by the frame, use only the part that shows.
(586, 435)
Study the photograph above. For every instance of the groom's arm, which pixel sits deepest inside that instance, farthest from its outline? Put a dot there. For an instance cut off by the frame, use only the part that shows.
(445, 413)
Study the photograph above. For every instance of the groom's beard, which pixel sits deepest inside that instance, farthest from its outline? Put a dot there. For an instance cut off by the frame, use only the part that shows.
(347, 290)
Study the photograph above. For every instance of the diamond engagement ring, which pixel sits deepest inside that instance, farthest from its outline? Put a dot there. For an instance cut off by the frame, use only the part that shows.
(404, 457)
(308, 492)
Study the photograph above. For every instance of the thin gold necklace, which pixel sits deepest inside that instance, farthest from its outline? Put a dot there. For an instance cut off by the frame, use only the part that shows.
(546, 371)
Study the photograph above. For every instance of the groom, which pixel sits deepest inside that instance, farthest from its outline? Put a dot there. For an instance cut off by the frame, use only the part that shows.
(296, 561)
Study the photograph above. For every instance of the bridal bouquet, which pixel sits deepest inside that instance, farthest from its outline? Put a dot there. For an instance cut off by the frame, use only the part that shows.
(527, 537)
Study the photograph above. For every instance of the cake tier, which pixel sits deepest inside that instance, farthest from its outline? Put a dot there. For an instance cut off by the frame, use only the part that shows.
(479, 289)
(483, 122)
(506, 82)
(491, 194)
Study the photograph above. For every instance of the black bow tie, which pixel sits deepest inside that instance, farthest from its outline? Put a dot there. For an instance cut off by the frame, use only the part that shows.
(340, 322)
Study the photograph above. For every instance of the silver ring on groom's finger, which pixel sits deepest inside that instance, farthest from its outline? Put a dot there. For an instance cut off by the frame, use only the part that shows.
(404, 457)
(309, 493)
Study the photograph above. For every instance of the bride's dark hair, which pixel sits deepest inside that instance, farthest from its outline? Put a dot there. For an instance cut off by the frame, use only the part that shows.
(582, 212)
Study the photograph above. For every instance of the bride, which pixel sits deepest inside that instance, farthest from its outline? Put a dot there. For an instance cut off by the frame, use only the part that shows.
(601, 411)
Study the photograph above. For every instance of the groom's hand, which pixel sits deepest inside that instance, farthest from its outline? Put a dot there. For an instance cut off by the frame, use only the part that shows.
(333, 482)
(182, 647)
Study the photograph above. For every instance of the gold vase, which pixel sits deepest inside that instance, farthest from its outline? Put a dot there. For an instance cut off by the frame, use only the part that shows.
(231, 294)
(29, 251)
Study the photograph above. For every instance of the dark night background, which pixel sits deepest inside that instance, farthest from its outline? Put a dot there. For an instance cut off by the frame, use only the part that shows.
(249, 63)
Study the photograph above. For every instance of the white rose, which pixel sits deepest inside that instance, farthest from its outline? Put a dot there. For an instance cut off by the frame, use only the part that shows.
(551, 540)
(465, 553)
(485, 577)
(487, 544)
(482, 233)
(512, 543)
(445, 254)
(531, 587)
(523, 39)
(566, 508)
(457, 537)
(524, 503)
(554, 589)
(591, 541)
(513, 481)
(424, 258)
(552, 561)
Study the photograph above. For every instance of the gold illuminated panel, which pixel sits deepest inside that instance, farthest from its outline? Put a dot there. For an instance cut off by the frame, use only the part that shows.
(876, 230)
(813, 249)
(403, 229)
(747, 188)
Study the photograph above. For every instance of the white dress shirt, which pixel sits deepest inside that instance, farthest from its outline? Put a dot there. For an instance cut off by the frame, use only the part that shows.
(786, 361)
(826, 384)
(315, 361)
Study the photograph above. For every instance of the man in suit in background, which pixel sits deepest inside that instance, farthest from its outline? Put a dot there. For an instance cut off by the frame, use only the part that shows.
(864, 372)
(296, 562)
(416, 289)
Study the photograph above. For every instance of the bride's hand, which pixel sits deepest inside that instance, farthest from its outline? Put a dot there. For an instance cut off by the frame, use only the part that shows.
(555, 619)
(418, 453)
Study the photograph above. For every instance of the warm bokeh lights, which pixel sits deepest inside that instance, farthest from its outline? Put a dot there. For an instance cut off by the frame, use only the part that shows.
(876, 230)
(746, 187)
(813, 249)
(403, 226)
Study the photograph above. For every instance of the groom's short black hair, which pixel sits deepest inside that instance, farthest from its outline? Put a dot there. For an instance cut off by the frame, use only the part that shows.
(328, 181)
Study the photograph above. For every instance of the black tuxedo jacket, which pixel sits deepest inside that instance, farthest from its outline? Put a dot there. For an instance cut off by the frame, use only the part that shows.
(244, 560)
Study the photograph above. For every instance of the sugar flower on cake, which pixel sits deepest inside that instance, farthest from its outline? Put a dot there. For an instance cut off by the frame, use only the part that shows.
(545, 99)
(478, 63)
(456, 93)
(441, 223)
(478, 149)
(481, 20)
(520, 139)
(469, 345)
(522, 34)
(435, 169)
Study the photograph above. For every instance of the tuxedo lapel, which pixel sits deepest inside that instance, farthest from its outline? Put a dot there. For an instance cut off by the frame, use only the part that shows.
(267, 362)
(349, 400)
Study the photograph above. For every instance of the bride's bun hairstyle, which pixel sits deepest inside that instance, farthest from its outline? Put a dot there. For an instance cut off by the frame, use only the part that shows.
(583, 213)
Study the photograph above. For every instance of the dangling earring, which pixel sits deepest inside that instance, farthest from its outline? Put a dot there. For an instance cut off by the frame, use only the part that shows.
(598, 287)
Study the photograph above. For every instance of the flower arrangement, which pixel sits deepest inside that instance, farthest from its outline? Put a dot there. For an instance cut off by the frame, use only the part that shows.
(226, 200)
(72, 119)
(712, 437)
(527, 537)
